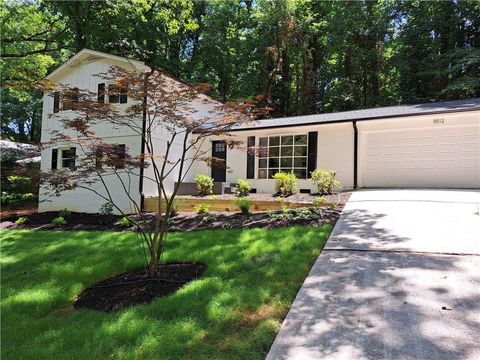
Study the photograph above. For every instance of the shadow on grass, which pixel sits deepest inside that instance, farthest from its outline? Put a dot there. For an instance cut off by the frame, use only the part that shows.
(233, 311)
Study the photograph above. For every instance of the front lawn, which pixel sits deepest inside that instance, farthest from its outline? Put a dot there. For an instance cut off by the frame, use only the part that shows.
(232, 312)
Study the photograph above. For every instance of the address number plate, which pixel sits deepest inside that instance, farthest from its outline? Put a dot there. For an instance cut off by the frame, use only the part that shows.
(438, 121)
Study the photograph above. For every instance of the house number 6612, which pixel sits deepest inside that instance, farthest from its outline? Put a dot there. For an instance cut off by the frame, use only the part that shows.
(439, 121)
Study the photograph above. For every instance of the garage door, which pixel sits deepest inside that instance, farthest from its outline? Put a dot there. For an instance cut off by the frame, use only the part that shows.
(427, 157)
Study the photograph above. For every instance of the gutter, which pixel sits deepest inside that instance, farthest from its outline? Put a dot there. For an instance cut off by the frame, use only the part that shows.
(355, 154)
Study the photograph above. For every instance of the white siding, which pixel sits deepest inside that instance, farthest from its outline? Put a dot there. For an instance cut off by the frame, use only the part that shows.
(335, 151)
(82, 75)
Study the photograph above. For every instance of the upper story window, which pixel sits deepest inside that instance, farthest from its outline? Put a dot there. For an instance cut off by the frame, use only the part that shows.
(68, 99)
(116, 159)
(117, 94)
(286, 153)
(68, 158)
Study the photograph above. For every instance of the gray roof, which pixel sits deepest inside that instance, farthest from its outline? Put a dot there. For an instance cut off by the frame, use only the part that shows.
(367, 114)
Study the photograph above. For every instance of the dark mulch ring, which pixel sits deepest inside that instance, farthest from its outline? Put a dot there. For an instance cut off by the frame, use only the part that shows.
(135, 288)
(186, 221)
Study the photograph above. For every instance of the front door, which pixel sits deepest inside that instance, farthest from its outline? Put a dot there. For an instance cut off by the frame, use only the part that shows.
(219, 163)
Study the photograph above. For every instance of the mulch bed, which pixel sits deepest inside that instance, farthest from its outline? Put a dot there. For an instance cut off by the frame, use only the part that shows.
(182, 221)
(135, 288)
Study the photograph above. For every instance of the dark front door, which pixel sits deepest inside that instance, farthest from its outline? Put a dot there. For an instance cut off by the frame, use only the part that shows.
(219, 163)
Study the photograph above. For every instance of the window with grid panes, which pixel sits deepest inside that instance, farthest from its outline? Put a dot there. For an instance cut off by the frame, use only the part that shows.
(286, 153)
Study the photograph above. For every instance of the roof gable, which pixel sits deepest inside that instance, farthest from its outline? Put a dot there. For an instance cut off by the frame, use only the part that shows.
(87, 55)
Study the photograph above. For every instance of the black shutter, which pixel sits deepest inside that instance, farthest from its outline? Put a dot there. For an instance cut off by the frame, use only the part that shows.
(54, 158)
(123, 95)
(312, 152)
(121, 156)
(72, 157)
(250, 157)
(101, 93)
(98, 159)
(56, 102)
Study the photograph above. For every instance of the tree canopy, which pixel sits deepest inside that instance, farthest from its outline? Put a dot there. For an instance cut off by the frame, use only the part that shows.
(301, 56)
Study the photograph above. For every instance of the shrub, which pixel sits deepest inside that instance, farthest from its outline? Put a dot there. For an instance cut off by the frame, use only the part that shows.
(242, 188)
(59, 221)
(202, 209)
(19, 184)
(125, 222)
(324, 180)
(318, 201)
(285, 183)
(9, 198)
(244, 204)
(106, 209)
(204, 184)
(64, 213)
(21, 220)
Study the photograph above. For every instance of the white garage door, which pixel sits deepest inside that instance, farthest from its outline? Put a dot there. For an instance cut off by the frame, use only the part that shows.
(427, 157)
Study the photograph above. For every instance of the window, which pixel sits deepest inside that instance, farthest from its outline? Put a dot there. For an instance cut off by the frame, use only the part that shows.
(101, 93)
(286, 153)
(68, 158)
(114, 157)
(70, 98)
(120, 155)
(117, 94)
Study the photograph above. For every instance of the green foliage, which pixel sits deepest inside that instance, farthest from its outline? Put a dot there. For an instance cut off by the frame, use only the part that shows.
(125, 222)
(21, 220)
(202, 208)
(204, 184)
(324, 180)
(59, 221)
(106, 209)
(242, 188)
(243, 204)
(276, 261)
(285, 183)
(175, 205)
(16, 199)
(318, 201)
(65, 213)
(19, 184)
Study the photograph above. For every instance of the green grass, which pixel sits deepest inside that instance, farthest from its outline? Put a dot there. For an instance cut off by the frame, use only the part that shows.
(233, 312)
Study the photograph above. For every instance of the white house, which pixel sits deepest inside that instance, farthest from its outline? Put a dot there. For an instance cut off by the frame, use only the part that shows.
(427, 145)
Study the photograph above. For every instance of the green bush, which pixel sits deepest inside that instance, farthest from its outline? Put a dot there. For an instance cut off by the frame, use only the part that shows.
(243, 204)
(175, 205)
(285, 183)
(21, 220)
(242, 188)
(65, 213)
(324, 180)
(106, 209)
(59, 221)
(9, 198)
(202, 209)
(318, 201)
(19, 184)
(125, 222)
(204, 184)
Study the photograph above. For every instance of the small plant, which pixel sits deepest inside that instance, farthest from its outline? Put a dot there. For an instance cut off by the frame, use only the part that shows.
(285, 183)
(318, 201)
(59, 221)
(64, 213)
(204, 184)
(106, 209)
(202, 209)
(324, 180)
(226, 226)
(21, 220)
(175, 205)
(244, 204)
(125, 222)
(242, 188)
(207, 218)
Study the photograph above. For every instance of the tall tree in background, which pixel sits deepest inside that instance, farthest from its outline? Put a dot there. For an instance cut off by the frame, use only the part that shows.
(304, 56)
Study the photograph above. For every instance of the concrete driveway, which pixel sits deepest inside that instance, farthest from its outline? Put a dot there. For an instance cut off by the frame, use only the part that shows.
(399, 278)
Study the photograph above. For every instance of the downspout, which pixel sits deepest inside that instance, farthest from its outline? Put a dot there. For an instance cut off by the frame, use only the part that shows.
(142, 145)
(355, 154)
